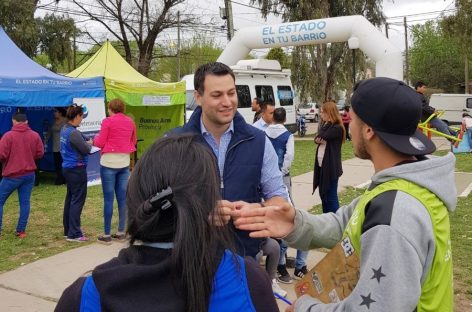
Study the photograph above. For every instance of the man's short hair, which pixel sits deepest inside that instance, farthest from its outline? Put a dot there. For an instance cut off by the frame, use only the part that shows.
(258, 100)
(419, 84)
(265, 104)
(20, 117)
(280, 115)
(212, 68)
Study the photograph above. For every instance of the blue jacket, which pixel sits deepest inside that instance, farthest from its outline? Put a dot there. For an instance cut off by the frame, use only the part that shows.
(242, 171)
(71, 157)
(141, 278)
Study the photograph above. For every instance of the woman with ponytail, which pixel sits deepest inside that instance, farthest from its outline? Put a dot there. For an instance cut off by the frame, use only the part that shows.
(179, 258)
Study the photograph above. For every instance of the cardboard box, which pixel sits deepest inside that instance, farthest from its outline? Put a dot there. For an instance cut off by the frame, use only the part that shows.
(334, 277)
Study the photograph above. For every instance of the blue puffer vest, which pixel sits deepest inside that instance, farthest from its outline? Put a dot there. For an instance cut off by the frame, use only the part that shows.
(242, 170)
(71, 158)
(280, 146)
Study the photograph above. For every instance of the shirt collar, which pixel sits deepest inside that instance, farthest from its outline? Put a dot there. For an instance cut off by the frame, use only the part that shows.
(205, 131)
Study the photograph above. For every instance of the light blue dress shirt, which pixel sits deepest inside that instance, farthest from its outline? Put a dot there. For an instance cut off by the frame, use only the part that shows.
(271, 178)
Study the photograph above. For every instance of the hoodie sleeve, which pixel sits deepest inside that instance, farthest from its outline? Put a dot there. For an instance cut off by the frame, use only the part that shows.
(4, 147)
(288, 157)
(315, 231)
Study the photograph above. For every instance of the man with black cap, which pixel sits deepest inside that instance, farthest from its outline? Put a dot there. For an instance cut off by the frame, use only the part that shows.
(19, 148)
(399, 227)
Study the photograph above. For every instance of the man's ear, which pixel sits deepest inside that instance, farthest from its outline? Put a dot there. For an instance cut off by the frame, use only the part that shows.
(197, 97)
(368, 132)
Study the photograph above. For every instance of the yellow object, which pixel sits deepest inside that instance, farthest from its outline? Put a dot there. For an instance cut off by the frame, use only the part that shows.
(123, 81)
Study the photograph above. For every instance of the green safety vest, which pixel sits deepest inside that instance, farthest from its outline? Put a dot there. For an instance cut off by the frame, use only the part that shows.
(437, 289)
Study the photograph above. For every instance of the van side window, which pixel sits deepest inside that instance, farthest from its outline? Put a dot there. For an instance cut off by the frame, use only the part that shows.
(244, 96)
(469, 103)
(285, 95)
(265, 93)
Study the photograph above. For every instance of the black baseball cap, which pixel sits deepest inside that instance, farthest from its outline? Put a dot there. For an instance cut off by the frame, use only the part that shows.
(393, 110)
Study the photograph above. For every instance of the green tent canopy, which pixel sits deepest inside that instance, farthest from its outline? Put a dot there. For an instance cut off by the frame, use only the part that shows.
(155, 107)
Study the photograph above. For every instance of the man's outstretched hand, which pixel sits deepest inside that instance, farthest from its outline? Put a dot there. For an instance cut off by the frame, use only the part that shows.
(269, 221)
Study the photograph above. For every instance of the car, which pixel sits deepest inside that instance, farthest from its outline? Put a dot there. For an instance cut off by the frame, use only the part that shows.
(340, 104)
(310, 110)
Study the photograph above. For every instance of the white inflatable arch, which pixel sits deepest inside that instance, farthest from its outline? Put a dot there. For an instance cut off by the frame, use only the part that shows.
(356, 30)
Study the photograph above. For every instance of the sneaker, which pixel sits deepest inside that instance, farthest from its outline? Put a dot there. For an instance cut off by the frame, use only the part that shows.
(283, 276)
(299, 274)
(277, 289)
(81, 239)
(119, 236)
(20, 234)
(104, 239)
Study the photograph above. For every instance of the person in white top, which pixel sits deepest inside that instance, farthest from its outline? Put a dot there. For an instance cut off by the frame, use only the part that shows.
(267, 116)
(467, 121)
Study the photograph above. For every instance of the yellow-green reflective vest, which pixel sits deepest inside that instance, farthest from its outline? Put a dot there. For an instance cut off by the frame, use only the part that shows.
(437, 288)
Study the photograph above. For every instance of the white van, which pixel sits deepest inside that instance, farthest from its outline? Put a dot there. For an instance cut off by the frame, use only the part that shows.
(453, 105)
(260, 78)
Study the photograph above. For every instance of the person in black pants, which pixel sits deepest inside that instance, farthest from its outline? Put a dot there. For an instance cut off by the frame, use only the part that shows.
(74, 152)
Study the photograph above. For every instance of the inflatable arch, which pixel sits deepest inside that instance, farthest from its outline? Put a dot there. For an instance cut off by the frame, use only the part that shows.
(356, 30)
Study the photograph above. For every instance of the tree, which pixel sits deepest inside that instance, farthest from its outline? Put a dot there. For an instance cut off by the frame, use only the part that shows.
(458, 28)
(139, 20)
(317, 69)
(195, 52)
(56, 34)
(17, 19)
(435, 58)
(279, 55)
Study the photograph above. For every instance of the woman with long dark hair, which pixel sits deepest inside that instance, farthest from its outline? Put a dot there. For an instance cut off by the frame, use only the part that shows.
(74, 151)
(179, 258)
(328, 167)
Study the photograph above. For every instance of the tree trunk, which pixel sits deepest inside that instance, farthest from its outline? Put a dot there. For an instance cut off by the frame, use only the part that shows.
(466, 73)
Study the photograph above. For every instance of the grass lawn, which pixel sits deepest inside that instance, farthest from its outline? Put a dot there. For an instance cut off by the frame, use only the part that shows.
(45, 231)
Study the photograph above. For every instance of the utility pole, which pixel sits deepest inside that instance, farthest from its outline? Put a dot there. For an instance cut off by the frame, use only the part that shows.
(386, 30)
(407, 68)
(229, 19)
(178, 46)
(353, 68)
(74, 48)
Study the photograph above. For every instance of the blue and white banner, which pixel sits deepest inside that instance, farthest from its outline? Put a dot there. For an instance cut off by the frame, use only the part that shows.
(94, 113)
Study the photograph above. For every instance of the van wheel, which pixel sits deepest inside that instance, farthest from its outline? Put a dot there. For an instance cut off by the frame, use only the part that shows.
(316, 119)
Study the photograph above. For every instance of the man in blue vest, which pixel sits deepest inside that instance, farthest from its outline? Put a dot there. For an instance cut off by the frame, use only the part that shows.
(399, 227)
(246, 159)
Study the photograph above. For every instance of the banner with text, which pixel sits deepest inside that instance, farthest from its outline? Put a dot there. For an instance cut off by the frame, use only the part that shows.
(94, 113)
(152, 122)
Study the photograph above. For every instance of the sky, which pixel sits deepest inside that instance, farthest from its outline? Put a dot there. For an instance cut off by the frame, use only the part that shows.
(416, 11)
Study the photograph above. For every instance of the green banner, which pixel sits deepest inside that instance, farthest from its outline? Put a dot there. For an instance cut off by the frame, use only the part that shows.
(152, 122)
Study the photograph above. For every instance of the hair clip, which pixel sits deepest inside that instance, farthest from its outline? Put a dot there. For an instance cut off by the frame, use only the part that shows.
(162, 199)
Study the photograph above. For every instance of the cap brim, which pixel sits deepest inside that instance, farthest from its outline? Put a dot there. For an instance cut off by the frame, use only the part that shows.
(416, 144)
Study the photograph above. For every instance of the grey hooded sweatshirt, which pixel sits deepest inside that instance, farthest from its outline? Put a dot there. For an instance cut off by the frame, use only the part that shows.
(397, 239)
